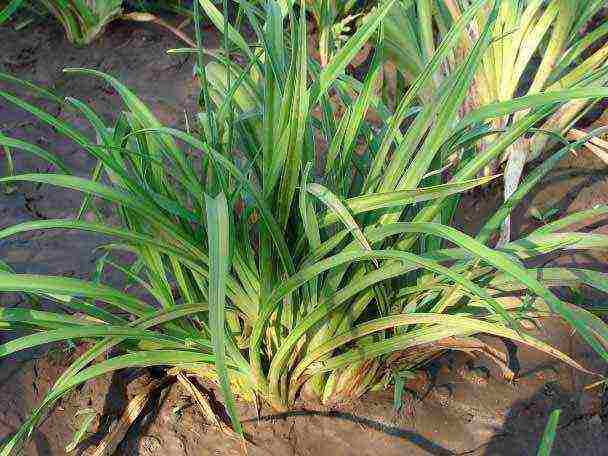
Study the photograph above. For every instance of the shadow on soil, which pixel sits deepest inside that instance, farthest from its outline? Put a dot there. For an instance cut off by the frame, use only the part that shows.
(11, 377)
(411, 436)
(580, 431)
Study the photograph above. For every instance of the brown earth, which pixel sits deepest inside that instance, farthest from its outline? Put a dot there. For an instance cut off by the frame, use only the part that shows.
(458, 411)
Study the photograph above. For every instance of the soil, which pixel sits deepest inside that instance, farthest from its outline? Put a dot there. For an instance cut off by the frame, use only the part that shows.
(458, 407)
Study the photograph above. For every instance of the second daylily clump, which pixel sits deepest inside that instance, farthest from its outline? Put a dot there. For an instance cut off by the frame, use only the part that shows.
(85, 20)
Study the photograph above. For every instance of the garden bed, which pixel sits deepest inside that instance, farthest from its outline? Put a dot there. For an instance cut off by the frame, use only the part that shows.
(457, 411)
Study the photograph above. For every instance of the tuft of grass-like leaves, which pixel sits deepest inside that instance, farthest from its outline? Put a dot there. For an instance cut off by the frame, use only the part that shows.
(85, 20)
(297, 237)
(82, 20)
(537, 47)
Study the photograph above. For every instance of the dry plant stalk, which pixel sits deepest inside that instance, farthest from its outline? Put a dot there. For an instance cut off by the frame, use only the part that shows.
(203, 403)
(110, 443)
(597, 146)
(201, 400)
(147, 17)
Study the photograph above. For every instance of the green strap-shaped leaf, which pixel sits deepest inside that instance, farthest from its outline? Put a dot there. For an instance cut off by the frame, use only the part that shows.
(90, 415)
(549, 435)
(344, 56)
(68, 287)
(34, 150)
(80, 332)
(218, 231)
(341, 212)
(8, 11)
(218, 20)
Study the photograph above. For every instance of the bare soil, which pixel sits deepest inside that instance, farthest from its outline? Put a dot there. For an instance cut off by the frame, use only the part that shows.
(457, 407)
